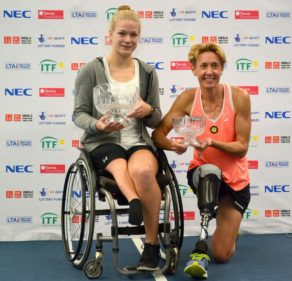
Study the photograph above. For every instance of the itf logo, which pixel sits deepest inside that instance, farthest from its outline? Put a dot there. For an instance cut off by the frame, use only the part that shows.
(49, 219)
(250, 214)
(182, 40)
(51, 143)
(49, 66)
(246, 65)
(109, 13)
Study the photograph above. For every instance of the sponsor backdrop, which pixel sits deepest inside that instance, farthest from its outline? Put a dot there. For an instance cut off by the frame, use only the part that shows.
(45, 43)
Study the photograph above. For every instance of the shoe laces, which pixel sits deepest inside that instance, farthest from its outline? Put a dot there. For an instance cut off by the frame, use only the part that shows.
(198, 256)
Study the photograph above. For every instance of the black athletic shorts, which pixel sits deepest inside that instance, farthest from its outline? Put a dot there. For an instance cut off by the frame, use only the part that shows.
(240, 198)
(105, 153)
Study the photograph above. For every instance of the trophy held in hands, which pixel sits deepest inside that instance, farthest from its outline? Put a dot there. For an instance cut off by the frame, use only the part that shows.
(116, 100)
(189, 127)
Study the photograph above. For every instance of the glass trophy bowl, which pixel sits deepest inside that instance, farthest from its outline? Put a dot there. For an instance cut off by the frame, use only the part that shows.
(116, 100)
(189, 127)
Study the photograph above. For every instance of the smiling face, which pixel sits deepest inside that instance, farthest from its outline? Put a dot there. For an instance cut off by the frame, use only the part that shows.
(208, 69)
(124, 37)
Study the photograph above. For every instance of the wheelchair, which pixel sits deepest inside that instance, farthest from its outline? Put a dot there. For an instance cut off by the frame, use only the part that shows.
(85, 190)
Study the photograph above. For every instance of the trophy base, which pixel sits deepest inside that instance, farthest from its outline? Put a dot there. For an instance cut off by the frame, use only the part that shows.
(119, 119)
(194, 143)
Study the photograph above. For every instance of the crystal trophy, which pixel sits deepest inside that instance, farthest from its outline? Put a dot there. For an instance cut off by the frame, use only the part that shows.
(189, 127)
(116, 100)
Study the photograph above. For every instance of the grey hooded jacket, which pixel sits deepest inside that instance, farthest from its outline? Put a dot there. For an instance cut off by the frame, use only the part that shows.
(85, 114)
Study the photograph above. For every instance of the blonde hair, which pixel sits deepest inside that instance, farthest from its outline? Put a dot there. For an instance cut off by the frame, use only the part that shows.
(124, 12)
(198, 49)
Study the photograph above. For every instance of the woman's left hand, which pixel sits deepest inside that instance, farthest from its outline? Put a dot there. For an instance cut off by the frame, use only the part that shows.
(141, 109)
(203, 144)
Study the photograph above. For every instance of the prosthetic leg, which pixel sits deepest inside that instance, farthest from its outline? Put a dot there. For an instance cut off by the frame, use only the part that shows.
(206, 183)
(206, 179)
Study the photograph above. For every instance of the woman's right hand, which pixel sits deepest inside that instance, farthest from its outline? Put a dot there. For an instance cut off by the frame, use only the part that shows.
(178, 145)
(104, 125)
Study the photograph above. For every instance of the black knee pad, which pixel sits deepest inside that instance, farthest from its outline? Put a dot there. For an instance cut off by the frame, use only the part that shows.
(207, 180)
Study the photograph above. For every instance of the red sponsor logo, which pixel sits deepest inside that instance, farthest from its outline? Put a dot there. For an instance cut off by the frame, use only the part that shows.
(76, 143)
(253, 164)
(272, 139)
(145, 14)
(9, 194)
(14, 194)
(246, 15)
(12, 117)
(209, 39)
(50, 14)
(51, 92)
(77, 65)
(11, 40)
(272, 213)
(272, 65)
(52, 168)
(252, 90)
(78, 219)
(190, 216)
(180, 65)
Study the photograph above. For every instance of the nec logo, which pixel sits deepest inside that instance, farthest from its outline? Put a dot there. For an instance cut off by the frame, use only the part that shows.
(157, 65)
(214, 14)
(18, 92)
(17, 14)
(278, 40)
(278, 115)
(277, 188)
(19, 169)
(84, 40)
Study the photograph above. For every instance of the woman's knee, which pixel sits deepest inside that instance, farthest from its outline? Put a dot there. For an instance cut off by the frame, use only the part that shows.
(142, 173)
(221, 257)
(222, 254)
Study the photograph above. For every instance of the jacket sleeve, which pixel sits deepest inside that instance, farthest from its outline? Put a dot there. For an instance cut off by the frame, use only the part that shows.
(154, 100)
(84, 114)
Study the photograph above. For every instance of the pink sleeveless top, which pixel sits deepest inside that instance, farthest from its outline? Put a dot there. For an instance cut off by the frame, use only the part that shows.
(234, 169)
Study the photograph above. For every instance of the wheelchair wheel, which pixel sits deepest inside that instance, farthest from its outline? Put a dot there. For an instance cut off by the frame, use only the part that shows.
(92, 269)
(78, 212)
(177, 214)
(176, 221)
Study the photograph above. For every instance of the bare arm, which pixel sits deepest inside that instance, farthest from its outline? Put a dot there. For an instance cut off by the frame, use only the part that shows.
(239, 146)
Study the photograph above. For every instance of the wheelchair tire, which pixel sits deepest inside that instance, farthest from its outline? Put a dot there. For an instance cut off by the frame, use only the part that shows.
(176, 212)
(78, 212)
(92, 269)
(178, 230)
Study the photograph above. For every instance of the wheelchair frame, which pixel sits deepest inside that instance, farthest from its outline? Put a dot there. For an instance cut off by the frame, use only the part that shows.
(82, 186)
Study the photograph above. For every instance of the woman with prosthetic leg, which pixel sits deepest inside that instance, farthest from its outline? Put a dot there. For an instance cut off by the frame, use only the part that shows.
(205, 183)
(224, 144)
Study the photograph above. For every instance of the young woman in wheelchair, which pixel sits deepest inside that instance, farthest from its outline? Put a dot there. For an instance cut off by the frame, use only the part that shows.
(127, 152)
